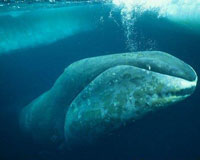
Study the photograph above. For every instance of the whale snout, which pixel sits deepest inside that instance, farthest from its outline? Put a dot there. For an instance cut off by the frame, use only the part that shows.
(170, 79)
(180, 80)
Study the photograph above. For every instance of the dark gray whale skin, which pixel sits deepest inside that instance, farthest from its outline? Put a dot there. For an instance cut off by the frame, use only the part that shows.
(95, 96)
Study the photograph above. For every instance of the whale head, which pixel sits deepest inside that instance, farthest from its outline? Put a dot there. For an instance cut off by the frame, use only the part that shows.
(127, 90)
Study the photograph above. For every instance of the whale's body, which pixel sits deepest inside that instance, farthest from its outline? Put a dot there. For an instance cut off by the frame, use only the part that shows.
(96, 96)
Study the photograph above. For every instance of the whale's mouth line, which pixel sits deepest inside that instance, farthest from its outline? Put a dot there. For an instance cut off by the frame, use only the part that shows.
(185, 92)
(187, 89)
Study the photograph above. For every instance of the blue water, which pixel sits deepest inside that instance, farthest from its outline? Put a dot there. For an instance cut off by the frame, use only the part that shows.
(26, 71)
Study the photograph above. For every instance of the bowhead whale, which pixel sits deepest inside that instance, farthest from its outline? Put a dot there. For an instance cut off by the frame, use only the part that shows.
(95, 96)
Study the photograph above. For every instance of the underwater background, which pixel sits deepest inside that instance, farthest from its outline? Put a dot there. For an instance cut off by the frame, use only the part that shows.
(68, 31)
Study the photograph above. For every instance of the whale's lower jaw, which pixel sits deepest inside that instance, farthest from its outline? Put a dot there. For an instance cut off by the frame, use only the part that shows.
(96, 96)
